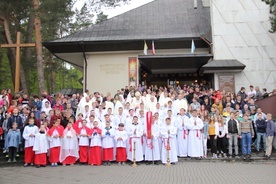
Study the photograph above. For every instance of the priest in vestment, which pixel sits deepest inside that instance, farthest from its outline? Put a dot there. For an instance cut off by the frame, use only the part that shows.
(180, 103)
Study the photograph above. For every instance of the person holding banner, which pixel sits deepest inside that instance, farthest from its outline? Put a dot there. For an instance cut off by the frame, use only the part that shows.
(169, 150)
(135, 132)
(152, 151)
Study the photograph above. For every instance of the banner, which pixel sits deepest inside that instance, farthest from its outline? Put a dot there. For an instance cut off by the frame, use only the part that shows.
(132, 71)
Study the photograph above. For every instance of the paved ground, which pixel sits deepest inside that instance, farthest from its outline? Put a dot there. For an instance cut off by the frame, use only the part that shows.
(183, 172)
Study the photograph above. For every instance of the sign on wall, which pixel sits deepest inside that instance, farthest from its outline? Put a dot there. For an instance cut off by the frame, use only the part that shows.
(227, 83)
(132, 71)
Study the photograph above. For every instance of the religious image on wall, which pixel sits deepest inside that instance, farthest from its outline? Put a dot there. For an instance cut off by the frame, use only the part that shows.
(132, 71)
(226, 83)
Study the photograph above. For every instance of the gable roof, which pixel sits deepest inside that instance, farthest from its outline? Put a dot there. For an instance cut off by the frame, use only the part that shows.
(160, 19)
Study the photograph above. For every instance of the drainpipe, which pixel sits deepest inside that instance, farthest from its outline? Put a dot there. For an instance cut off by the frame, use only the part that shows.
(85, 64)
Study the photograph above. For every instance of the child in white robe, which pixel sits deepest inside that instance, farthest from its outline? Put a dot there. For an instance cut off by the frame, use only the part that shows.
(108, 143)
(182, 134)
(41, 147)
(152, 150)
(83, 134)
(169, 149)
(121, 138)
(69, 151)
(135, 132)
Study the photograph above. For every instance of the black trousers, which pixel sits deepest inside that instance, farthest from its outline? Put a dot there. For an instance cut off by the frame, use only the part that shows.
(221, 145)
(12, 152)
(213, 144)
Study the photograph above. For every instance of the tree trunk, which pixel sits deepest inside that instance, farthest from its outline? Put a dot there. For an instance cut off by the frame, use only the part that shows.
(11, 55)
(9, 41)
(37, 24)
(28, 51)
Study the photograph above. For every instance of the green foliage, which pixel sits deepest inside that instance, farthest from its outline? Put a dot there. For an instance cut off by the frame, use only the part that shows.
(58, 19)
(101, 17)
(272, 4)
(5, 74)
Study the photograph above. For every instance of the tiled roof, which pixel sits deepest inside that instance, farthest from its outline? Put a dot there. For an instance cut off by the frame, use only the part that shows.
(160, 19)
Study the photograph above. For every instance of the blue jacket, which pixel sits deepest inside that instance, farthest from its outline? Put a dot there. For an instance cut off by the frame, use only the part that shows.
(13, 138)
(270, 128)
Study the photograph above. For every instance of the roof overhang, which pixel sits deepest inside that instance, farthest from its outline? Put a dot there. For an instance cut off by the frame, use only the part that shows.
(122, 45)
(175, 63)
(215, 66)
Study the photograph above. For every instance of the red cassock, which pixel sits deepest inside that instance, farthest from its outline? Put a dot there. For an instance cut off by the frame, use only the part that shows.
(55, 151)
(83, 150)
(76, 125)
(69, 160)
(40, 159)
(121, 154)
(108, 154)
(95, 151)
(29, 155)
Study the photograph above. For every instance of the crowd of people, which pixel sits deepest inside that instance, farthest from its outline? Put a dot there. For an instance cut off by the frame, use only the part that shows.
(141, 123)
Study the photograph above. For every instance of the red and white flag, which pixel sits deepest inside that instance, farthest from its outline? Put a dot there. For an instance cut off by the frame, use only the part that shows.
(152, 48)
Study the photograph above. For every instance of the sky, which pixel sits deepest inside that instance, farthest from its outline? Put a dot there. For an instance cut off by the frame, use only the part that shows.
(112, 12)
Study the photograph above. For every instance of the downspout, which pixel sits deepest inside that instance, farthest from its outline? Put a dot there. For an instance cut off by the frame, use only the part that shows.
(85, 64)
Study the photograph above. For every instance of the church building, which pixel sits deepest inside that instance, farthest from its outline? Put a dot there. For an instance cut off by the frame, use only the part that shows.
(220, 43)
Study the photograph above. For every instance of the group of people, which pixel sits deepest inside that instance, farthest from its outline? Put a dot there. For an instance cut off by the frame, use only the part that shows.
(138, 124)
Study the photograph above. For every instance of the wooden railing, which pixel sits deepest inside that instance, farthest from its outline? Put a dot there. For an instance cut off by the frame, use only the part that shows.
(268, 105)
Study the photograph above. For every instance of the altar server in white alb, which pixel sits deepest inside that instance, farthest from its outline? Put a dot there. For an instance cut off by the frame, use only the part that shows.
(169, 150)
(195, 147)
(121, 141)
(69, 151)
(83, 134)
(108, 143)
(29, 135)
(152, 152)
(135, 132)
(182, 133)
(41, 147)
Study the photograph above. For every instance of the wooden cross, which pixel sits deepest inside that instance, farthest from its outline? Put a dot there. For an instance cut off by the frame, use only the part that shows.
(18, 45)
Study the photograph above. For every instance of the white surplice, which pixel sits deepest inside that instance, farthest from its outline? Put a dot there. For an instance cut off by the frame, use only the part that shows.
(135, 138)
(194, 139)
(171, 138)
(152, 145)
(182, 136)
(28, 130)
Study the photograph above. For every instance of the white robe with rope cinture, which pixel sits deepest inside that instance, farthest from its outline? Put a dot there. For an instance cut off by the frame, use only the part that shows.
(171, 138)
(182, 136)
(152, 149)
(195, 147)
(178, 104)
(137, 138)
